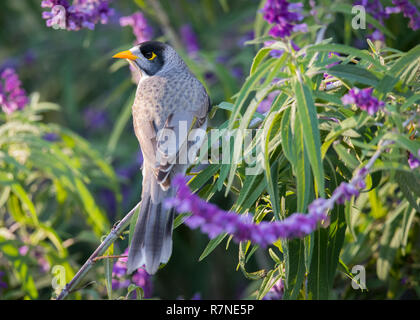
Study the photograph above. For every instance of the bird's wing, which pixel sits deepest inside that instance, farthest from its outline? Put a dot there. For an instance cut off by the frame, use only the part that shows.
(162, 126)
(182, 151)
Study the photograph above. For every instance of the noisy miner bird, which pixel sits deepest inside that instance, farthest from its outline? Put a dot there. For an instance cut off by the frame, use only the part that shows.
(170, 103)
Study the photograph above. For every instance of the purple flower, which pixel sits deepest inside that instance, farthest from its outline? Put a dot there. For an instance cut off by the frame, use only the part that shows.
(319, 207)
(284, 16)
(409, 11)
(143, 280)
(3, 285)
(414, 162)
(51, 137)
(189, 38)
(265, 105)
(214, 221)
(377, 10)
(364, 100)
(12, 96)
(140, 278)
(108, 200)
(23, 250)
(95, 118)
(81, 14)
(119, 269)
(331, 55)
(245, 38)
(237, 72)
(345, 192)
(39, 254)
(374, 8)
(120, 284)
(276, 292)
(275, 53)
(196, 296)
(138, 23)
(313, 11)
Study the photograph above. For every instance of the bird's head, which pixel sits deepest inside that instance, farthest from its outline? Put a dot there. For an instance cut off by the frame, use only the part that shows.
(151, 57)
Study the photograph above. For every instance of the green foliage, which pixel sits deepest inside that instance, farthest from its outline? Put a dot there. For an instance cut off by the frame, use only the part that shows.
(52, 206)
(312, 142)
(43, 184)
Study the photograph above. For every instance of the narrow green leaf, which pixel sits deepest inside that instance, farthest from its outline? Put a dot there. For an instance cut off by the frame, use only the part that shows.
(213, 244)
(308, 117)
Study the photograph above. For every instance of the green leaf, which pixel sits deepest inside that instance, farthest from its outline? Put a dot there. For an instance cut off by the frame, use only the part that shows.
(259, 57)
(347, 157)
(293, 252)
(364, 55)
(392, 76)
(133, 223)
(271, 173)
(403, 141)
(250, 184)
(302, 169)
(353, 73)
(287, 137)
(409, 184)
(318, 276)
(213, 244)
(308, 117)
(255, 192)
(390, 242)
(248, 86)
(337, 230)
(268, 282)
(96, 217)
(108, 270)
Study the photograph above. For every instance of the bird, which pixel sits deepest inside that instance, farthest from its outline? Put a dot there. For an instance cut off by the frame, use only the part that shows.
(170, 104)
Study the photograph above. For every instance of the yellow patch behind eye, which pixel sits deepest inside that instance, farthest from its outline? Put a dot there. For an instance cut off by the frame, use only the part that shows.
(153, 56)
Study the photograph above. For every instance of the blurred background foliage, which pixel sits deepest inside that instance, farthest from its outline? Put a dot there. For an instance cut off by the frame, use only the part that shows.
(95, 156)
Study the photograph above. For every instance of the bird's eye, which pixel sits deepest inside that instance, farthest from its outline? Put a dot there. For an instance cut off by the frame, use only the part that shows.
(150, 55)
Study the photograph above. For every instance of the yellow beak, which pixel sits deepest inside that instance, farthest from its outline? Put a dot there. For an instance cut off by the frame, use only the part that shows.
(125, 55)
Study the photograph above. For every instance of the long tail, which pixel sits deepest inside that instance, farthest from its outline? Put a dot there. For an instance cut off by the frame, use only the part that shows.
(152, 240)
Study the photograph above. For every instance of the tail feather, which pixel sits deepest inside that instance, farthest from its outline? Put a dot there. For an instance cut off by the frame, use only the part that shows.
(152, 240)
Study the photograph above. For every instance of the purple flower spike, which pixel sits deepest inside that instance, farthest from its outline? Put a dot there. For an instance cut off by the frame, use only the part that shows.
(409, 11)
(364, 100)
(12, 96)
(140, 278)
(3, 285)
(284, 16)
(95, 119)
(141, 28)
(214, 221)
(189, 38)
(345, 192)
(51, 137)
(81, 14)
(414, 162)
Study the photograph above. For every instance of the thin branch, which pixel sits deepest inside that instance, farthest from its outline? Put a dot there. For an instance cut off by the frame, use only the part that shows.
(97, 254)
